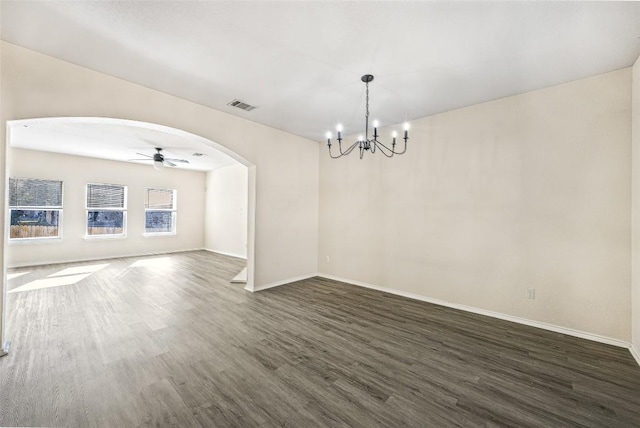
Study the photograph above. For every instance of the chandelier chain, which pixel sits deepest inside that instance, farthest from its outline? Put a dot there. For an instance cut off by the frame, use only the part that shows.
(367, 100)
(366, 120)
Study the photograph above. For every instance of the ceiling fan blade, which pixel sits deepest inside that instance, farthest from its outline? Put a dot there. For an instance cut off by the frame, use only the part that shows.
(159, 157)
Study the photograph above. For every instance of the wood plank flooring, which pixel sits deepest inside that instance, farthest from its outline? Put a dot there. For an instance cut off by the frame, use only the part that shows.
(168, 340)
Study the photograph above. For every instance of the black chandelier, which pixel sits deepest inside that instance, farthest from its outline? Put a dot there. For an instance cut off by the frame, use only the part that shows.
(364, 143)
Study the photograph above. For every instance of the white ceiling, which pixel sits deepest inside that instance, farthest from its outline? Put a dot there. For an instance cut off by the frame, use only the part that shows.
(116, 139)
(300, 62)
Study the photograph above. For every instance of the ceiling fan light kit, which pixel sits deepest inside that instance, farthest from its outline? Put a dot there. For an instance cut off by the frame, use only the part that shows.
(158, 159)
(364, 143)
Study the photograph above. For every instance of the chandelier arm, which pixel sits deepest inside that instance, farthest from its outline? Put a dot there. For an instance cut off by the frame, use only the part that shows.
(389, 152)
(332, 156)
(346, 152)
(393, 150)
(382, 145)
(405, 148)
(350, 149)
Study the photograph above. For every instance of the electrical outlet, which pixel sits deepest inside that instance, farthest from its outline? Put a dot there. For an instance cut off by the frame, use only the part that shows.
(531, 293)
(327, 259)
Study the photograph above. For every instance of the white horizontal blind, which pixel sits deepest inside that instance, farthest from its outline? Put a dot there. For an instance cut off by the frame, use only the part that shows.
(31, 192)
(159, 199)
(105, 196)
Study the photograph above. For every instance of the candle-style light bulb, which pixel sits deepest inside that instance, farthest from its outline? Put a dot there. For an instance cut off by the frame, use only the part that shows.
(328, 135)
(360, 138)
(339, 129)
(406, 130)
(376, 123)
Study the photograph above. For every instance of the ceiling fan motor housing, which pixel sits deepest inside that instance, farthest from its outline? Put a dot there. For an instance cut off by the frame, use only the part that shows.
(158, 157)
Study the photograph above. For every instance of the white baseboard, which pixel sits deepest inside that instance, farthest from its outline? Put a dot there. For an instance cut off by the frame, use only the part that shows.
(538, 324)
(93, 259)
(635, 354)
(283, 282)
(225, 253)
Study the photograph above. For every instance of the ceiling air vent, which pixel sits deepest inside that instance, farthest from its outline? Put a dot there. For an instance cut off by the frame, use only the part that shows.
(241, 105)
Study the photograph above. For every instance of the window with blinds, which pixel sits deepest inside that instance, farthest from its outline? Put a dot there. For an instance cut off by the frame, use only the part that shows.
(106, 209)
(160, 211)
(35, 208)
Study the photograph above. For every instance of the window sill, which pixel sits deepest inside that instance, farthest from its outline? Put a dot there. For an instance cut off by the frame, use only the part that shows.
(159, 235)
(103, 237)
(35, 241)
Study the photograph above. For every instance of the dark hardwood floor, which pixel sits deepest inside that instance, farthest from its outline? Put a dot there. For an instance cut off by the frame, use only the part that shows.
(168, 340)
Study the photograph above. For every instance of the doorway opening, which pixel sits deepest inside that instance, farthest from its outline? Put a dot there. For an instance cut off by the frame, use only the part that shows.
(81, 150)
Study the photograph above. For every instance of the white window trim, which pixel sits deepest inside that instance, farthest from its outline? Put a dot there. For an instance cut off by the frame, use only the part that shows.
(174, 211)
(37, 239)
(107, 236)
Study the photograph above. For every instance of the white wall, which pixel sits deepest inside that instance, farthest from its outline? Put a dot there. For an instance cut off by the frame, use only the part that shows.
(76, 172)
(532, 190)
(226, 210)
(635, 255)
(286, 166)
(527, 191)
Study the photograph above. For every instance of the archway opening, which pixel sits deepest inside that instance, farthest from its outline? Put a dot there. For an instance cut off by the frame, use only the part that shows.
(115, 151)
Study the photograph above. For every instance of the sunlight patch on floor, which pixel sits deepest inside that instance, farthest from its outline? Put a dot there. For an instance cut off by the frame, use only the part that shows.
(160, 262)
(66, 276)
(240, 277)
(11, 276)
(80, 269)
(56, 281)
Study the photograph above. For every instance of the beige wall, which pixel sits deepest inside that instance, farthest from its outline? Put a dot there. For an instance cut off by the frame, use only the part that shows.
(527, 191)
(76, 172)
(226, 210)
(286, 166)
(635, 255)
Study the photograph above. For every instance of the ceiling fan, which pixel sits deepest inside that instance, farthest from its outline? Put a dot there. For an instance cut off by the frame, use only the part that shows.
(159, 161)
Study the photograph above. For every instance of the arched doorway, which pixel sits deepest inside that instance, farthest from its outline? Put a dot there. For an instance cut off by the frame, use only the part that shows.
(121, 140)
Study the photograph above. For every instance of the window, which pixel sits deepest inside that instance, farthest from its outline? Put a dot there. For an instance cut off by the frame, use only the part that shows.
(35, 208)
(160, 211)
(106, 210)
